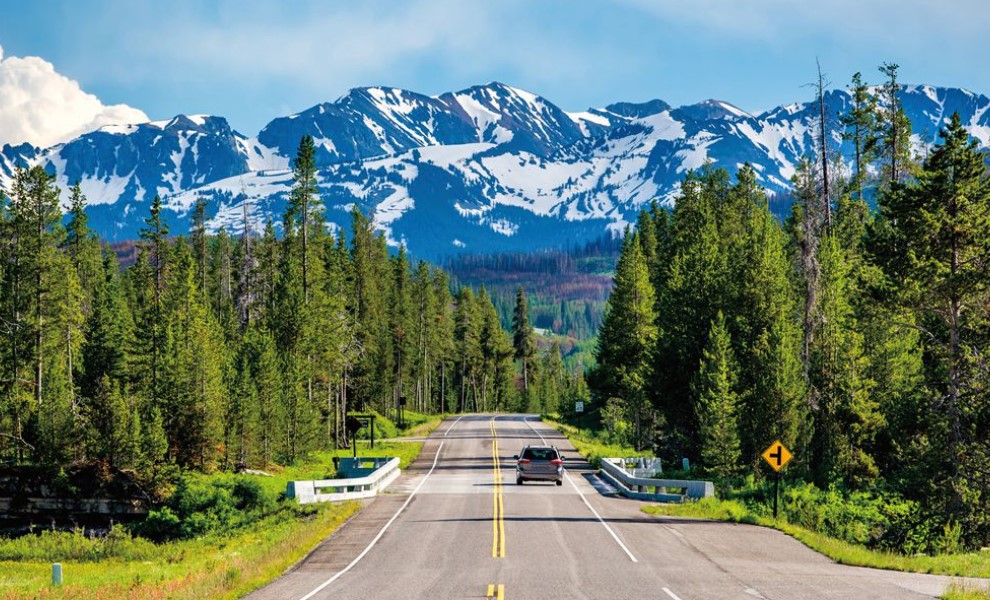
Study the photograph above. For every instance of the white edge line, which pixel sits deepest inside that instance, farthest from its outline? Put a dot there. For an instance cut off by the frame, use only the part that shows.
(452, 425)
(380, 533)
(671, 594)
(588, 504)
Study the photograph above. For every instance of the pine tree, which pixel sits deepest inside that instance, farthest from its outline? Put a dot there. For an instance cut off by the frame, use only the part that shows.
(628, 337)
(400, 325)
(35, 223)
(82, 247)
(847, 417)
(61, 418)
(760, 308)
(895, 139)
(192, 367)
(806, 224)
(523, 339)
(247, 292)
(304, 189)
(263, 416)
(338, 287)
(268, 276)
(442, 339)
(467, 338)
(693, 278)
(422, 302)
(933, 241)
(862, 129)
(823, 151)
(554, 382)
(219, 290)
(109, 332)
(646, 228)
(288, 322)
(199, 246)
(717, 403)
(155, 235)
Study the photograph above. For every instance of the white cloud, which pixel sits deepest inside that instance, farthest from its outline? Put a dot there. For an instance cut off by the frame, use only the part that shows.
(43, 107)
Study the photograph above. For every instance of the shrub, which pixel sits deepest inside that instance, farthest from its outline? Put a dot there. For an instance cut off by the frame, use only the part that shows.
(159, 525)
(51, 545)
(880, 520)
(201, 505)
(250, 495)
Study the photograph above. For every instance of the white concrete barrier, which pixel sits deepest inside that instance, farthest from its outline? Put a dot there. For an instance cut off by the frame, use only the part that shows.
(338, 490)
(613, 470)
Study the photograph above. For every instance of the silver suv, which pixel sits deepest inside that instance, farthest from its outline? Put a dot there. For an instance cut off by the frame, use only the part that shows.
(543, 463)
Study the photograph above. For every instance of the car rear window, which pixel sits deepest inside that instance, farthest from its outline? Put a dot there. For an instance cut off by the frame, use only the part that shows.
(540, 453)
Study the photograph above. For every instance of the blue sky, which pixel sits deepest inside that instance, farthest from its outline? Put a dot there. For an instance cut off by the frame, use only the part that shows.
(252, 61)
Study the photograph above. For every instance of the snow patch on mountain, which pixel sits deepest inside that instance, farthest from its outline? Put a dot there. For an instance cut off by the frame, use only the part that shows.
(486, 168)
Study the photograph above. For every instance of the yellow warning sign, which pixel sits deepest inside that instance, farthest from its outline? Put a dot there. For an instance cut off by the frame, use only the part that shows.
(777, 455)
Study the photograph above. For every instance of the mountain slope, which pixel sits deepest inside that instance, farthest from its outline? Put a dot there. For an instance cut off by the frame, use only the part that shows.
(484, 169)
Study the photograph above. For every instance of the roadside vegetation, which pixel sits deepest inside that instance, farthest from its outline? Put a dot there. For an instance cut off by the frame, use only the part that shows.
(220, 564)
(856, 332)
(958, 592)
(593, 445)
(847, 532)
(865, 530)
(216, 535)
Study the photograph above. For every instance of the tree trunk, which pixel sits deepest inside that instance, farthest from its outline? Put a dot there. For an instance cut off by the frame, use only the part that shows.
(305, 248)
(822, 133)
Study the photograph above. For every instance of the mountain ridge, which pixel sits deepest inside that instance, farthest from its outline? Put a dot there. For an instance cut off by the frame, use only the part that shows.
(488, 168)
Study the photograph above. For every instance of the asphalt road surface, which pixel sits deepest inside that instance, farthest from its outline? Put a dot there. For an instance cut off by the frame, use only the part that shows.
(455, 525)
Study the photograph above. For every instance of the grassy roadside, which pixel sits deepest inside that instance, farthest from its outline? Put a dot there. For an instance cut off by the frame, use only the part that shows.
(216, 565)
(593, 448)
(212, 567)
(974, 564)
(961, 593)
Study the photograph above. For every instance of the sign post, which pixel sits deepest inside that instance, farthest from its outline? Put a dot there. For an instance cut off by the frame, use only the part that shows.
(353, 424)
(777, 456)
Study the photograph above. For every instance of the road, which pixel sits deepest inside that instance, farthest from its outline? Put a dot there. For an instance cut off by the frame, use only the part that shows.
(455, 525)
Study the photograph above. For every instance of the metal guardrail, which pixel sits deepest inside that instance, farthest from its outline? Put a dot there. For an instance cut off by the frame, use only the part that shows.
(337, 490)
(613, 469)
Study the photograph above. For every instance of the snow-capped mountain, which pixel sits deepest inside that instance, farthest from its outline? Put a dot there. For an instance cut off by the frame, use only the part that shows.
(488, 168)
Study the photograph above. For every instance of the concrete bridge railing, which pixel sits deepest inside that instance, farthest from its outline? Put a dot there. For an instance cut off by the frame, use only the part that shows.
(633, 485)
(352, 488)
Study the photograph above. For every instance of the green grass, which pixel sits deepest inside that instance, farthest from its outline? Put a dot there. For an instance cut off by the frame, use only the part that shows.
(320, 464)
(225, 564)
(973, 564)
(591, 446)
(211, 567)
(958, 592)
(420, 425)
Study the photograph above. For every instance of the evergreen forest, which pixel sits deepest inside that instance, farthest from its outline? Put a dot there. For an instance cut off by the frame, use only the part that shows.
(856, 331)
(215, 353)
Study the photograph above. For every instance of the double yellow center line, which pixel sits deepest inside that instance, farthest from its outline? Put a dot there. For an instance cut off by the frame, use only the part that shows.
(498, 509)
(496, 592)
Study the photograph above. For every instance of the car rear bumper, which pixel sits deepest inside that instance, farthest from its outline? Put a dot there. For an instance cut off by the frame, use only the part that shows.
(529, 476)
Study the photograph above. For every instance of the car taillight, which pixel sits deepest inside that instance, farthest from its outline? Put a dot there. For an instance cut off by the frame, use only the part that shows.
(523, 461)
(556, 462)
